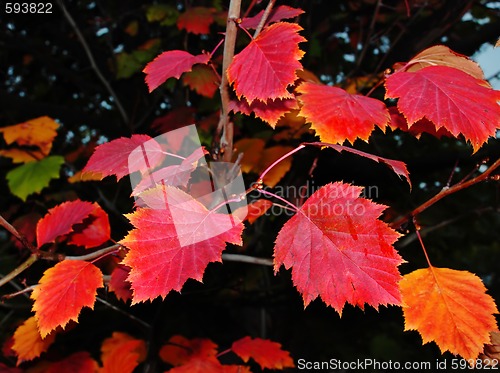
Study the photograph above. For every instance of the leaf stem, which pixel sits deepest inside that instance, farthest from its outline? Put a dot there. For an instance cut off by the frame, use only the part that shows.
(96, 254)
(444, 193)
(270, 194)
(261, 177)
(417, 232)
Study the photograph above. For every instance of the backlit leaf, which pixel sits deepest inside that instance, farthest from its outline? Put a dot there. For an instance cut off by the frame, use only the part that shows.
(449, 98)
(267, 66)
(28, 344)
(22, 155)
(174, 239)
(121, 353)
(180, 350)
(171, 64)
(337, 116)
(32, 177)
(200, 366)
(196, 20)
(277, 14)
(39, 132)
(60, 220)
(449, 307)
(267, 354)
(93, 231)
(202, 79)
(440, 55)
(112, 158)
(119, 284)
(270, 111)
(63, 291)
(339, 250)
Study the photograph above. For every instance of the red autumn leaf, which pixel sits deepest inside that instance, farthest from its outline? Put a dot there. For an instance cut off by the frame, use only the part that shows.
(63, 291)
(398, 121)
(270, 111)
(176, 175)
(267, 66)
(180, 350)
(337, 116)
(267, 354)
(254, 210)
(196, 20)
(121, 353)
(397, 166)
(174, 240)
(277, 14)
(79, 362)
(177, 118)
(93, 231)
(124, 156)
(339, 250)
(119, 284)
(61, 219)
(202, 79)
(449, 307)
(171, 64)
(28, 344)
(26, 225)
(449, 98)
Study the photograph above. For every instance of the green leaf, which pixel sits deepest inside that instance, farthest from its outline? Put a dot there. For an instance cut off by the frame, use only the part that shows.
(159, 12)
(32, 177)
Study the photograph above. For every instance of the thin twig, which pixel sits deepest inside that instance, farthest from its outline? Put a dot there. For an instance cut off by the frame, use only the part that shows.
(225, 126)
(20, 292)
(369, 35)
(93, 63)
(264, 18)
(446, 192)
(247, 259)
(4, 223)
(26, 264)
(95, 254)
(131, 317)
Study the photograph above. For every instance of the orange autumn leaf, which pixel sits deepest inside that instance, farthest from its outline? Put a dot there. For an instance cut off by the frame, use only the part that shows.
(200, 366)
(257, 208)
(63, 291)
(28, 344)
(22, 155)
(79, 362)
(448, 307)
(39, 132)
(180, 350)
(202, 79)
(121, 353)
(492, 349)
(269, 111)
(266, 353)
(93, 231)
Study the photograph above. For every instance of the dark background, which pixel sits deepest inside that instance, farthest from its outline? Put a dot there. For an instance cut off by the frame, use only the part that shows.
(45, 70)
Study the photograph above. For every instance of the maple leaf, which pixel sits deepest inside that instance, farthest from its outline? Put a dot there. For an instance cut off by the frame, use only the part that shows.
(93, 231)
(266, 353)
(448, 307)
(180, 350)
(269, 111)
(124, 156)
(28, 344)
(339, 250)
(121, 353)
(337, 116)
(59, 220)
(202, 79)
(440, 55)
(174, 240)
(449, 98)
(79, 362)
(277, 14)
(119, 284)
(267, 66)
(171, 64)
(32, 177)
(63, 291)
(398, 121)
(196, 20)
(39, 132)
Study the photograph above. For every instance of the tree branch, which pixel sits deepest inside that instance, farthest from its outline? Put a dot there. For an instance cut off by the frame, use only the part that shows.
(264, 18)
(26, 264)
(93, 64)
(225, 126)
(247, 259)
